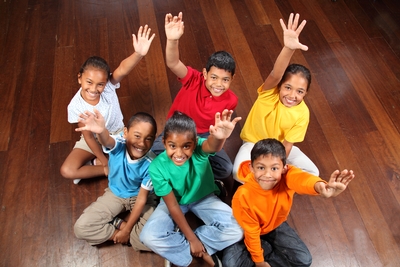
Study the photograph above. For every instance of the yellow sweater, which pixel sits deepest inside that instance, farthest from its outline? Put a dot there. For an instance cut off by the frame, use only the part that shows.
(260, 211)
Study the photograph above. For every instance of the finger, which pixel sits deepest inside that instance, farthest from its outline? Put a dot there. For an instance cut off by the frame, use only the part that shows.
(296, 21)
(290, 22)
(301, 26)
(146, 29)
(283, 25)
(235, 120)
(148, 32)
(140, 31)
(152, 37)
(303, 47)
(168, 18)
(217, 117)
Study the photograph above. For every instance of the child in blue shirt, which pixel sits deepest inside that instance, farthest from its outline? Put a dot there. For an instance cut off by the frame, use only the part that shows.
(129, 186)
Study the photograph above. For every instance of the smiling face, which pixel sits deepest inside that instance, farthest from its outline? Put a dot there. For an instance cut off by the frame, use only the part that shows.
(293, 90)
(268, 170)
(93, 82)
(179, 147)
(217, 80)
(139, 139)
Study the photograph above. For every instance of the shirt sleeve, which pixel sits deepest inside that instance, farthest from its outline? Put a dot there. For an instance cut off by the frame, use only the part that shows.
(242, 211)
(301, 182)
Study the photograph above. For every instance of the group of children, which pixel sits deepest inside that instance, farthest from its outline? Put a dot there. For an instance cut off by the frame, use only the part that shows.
(161, 178)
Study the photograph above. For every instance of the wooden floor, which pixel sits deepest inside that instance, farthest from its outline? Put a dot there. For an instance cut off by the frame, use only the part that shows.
(354, 50)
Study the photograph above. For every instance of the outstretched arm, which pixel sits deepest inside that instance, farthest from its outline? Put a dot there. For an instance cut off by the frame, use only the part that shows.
(174, 30)
(95, 123)
(337, 183)
(141, 44)
(220, 131)
(291, 43)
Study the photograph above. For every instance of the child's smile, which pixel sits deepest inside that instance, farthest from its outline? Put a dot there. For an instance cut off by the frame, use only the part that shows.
(139, 139)
(179, 147)
(267, 171)
(217, 80)
(93, 82)
(292, 91)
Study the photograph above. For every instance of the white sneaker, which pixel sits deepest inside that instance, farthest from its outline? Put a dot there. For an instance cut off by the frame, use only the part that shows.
(76, 181)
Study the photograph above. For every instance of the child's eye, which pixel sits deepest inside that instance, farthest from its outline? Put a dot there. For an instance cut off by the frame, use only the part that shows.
(300, 92)
(274, 168)
(226, 80)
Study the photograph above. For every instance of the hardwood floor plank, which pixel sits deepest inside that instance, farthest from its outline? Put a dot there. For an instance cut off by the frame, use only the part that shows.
(64, 84)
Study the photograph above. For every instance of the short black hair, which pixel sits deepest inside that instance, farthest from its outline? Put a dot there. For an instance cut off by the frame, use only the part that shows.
(221, 60)
(143, 117)
(269, 146)
(180, 123)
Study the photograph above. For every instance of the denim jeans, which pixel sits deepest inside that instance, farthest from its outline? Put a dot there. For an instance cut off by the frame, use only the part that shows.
(219, 231)
(221, 164)
(282, 247)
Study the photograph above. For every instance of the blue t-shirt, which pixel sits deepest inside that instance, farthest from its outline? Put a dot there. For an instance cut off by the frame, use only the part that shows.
(126, 176)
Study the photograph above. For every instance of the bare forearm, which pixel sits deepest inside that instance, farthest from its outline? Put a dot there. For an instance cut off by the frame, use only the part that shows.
(105, 139)
(281, 63)
(172, 53)
(213, 144)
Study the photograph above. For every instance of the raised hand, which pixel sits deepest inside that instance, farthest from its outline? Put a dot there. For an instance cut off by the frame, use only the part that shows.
(142, 42)
(337, 183)
(174, 26)
(292, 31)
(223, 124)
(93, 122)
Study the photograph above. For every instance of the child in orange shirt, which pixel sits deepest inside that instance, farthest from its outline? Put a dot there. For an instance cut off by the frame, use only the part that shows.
(261, 206)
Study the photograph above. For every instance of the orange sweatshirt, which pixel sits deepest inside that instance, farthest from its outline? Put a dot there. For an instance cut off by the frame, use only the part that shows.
(260, 211)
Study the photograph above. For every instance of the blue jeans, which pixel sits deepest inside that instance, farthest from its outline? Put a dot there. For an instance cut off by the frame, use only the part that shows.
(282, 247)
(221, 164)
(219, 231)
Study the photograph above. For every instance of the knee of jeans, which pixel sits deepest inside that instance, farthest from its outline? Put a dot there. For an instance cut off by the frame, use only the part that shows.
(147, 238)
(303, 260)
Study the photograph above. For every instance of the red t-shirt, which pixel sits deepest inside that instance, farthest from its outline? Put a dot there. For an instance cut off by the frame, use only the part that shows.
(197, 102)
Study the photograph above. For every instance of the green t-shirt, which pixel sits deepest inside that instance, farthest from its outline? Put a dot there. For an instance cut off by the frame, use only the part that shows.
(189, 182)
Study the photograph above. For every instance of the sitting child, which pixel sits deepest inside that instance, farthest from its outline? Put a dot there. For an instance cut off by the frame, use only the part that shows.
(280, 111)
(202, 94)
(129, 184)
(261, 206)
(183, 177)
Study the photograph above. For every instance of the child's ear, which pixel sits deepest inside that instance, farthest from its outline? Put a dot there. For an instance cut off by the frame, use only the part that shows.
(285, 168)
(79, 78)
(251, 167)
(125, 132)
(205, 73)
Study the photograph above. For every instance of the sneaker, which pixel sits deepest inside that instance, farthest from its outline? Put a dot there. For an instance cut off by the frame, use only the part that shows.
(216, 260)
(223, 192)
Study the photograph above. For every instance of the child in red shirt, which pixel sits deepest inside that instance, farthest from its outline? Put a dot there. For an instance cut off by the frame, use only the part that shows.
(203, 94)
